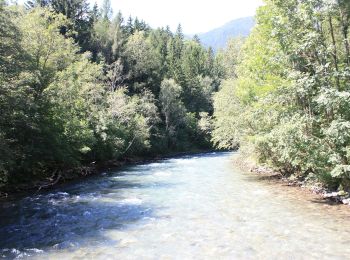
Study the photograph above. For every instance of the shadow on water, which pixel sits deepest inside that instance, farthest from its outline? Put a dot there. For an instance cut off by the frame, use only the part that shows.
(57, 225)
(325, 201)
(256, 177)
(81, 213)
(75, 215)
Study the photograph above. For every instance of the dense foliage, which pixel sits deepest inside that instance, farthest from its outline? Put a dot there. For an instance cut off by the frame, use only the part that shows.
(288, 101)
(78, 87)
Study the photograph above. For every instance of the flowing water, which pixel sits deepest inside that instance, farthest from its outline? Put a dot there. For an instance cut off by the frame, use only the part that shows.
(191, 207)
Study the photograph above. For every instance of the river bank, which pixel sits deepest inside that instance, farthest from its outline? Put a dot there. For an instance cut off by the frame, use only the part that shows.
(267, 174)
(86, 171)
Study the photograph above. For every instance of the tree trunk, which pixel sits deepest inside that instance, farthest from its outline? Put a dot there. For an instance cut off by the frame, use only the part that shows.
(334, 54)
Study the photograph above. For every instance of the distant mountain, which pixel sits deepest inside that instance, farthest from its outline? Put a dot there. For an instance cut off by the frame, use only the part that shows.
(218, 37)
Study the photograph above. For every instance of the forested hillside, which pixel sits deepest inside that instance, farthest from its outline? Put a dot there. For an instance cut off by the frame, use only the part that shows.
(80, 86)
(287, 102)
(218, 38)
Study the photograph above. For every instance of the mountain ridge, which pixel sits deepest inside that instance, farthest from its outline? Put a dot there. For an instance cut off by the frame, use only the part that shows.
(218, 37)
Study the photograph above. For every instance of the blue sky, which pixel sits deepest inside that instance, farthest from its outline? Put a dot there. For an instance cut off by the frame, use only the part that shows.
(195, 15)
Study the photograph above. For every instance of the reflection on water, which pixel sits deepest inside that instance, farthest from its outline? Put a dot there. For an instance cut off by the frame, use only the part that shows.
(193, 207)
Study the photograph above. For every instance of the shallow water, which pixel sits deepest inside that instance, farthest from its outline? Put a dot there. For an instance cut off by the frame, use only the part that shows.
(192, 207)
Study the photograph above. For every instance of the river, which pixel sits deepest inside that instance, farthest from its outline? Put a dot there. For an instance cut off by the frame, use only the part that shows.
(190, 207)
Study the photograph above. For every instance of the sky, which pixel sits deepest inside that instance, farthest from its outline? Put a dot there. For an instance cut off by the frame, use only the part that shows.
(195, 16)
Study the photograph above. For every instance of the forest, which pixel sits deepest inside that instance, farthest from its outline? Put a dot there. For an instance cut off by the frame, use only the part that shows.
(288, 103)
(81, 85)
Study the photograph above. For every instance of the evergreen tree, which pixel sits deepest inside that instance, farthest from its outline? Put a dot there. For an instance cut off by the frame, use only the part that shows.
(106, 10)
(63, 108)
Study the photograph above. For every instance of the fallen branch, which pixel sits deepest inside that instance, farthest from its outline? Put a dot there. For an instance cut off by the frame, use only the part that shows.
(130, 144)
(59, 176)
(3, 195)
